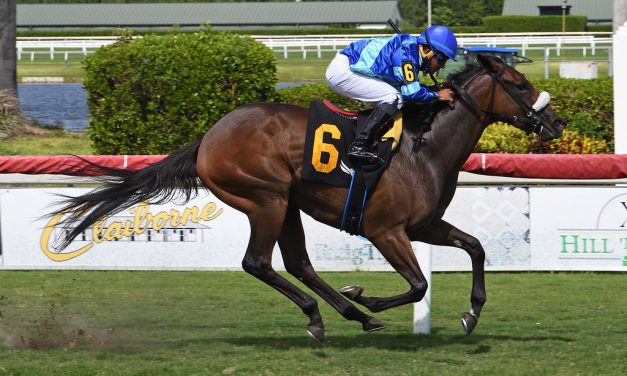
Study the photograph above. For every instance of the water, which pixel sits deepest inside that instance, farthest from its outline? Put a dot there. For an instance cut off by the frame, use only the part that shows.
(55, 104)
(65, 105)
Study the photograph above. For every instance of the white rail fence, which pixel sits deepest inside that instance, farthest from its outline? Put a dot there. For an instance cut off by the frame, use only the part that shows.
(316, 44)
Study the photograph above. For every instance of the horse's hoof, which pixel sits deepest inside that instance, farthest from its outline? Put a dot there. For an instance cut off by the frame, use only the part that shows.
(469, 321)
(352, 292)
(317, 332)
(372, 325)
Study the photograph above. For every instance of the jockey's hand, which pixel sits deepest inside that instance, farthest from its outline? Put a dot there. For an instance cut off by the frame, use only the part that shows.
(446, 95)
(444, 85)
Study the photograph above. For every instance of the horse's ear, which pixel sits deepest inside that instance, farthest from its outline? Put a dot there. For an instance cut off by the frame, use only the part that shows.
(491, 63)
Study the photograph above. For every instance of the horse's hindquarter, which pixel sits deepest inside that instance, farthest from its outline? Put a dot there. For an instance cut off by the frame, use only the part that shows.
(249, 157)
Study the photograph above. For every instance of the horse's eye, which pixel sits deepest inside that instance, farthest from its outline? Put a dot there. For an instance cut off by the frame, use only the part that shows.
(522, 86)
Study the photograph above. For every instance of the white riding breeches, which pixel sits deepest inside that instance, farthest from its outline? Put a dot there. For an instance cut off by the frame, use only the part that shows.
(358, 86)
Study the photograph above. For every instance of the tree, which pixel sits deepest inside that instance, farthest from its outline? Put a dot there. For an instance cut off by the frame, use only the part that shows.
(8, 68)
(443, 15)
(414, 12)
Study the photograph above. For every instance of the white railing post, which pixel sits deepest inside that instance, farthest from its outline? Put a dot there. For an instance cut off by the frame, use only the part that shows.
(593, 47)
(422, 309)
(546, 63)
(619, 51)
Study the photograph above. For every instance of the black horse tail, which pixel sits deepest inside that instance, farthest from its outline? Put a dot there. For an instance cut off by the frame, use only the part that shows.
(169, 179)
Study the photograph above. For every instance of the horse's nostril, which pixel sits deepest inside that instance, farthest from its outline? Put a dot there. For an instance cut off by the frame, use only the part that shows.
(561, 123)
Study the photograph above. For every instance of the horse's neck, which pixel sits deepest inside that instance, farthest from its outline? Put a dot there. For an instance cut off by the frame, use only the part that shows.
(453, 137)
(455, 133)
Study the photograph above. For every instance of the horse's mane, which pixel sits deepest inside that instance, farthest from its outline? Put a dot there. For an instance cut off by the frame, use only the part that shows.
(469, 71)
(426, 113)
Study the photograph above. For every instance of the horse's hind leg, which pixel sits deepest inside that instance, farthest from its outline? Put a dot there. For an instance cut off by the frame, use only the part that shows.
(265, 228)
(297, 263)
(395, 246)
(443, 233)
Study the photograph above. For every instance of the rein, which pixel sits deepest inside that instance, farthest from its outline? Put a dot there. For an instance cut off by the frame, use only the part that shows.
(531, 120)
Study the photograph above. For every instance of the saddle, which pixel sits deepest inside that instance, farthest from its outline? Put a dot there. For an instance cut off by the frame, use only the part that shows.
(330, 130)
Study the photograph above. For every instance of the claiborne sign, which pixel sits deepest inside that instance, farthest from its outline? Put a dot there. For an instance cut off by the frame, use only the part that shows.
(142, 222)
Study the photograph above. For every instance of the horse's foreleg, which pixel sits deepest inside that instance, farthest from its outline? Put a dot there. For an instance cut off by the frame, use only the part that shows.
(297, 263)
(264, 232)
(396, 248)
(443, 233)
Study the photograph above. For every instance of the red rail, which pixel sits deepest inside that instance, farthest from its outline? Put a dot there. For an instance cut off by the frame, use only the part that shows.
(541, 166)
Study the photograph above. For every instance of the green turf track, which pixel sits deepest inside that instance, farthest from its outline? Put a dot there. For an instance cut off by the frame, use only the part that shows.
(214, 323)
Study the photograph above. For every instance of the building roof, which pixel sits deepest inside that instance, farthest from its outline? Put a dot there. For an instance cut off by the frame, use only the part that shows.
(195, 14)
(595, 10)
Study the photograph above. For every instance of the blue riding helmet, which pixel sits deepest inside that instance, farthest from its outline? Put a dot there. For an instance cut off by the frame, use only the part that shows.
(440, 39)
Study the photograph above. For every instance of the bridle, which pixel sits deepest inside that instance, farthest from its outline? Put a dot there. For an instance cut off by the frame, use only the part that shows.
(531, 120)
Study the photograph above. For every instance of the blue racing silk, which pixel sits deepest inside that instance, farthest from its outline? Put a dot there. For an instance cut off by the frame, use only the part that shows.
(395, 60)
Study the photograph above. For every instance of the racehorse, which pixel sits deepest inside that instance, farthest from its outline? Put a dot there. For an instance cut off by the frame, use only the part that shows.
(252, 158)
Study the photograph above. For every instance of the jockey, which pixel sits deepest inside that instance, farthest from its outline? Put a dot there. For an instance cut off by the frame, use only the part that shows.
(384, 71)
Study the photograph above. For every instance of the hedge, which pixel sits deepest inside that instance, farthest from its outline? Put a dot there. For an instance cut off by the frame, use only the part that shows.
(600, 28)
(504, 138)
(155, 94)
(588, 105)
(512, 24)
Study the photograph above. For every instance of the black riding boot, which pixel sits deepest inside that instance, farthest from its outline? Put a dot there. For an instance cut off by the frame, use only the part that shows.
(362, 147)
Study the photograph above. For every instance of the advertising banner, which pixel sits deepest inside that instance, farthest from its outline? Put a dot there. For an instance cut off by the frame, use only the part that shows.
(579, 229)
(574, 228)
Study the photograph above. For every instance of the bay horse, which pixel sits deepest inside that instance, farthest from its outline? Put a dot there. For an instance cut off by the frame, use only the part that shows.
(252, 158)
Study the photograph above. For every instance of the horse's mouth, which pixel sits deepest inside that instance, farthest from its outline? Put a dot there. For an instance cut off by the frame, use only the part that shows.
(552, 131)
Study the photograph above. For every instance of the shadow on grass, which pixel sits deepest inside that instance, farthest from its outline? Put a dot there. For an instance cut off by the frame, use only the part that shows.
(395, 342)
(116, 343)
(381, 341)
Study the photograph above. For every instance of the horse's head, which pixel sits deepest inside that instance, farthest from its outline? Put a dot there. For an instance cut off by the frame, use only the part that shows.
(515, 101)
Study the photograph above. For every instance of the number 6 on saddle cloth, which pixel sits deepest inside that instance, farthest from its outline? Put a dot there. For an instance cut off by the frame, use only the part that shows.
(330, 131)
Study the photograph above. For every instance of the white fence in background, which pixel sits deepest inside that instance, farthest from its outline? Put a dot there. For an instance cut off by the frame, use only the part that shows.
(317, 44)
(31, 47)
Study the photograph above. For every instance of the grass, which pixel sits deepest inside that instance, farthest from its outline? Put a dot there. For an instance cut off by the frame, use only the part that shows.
(297, 69)
(208, 323)
(42, 66)
(54, 142)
